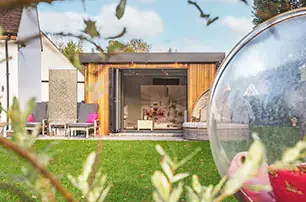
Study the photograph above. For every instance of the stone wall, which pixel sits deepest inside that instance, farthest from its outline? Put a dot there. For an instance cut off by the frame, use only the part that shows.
(62, 95)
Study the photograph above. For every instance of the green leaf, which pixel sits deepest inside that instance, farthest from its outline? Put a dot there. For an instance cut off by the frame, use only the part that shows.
(254, 159)
(104, 194)
(115, 47)
(162, 185)
(156, 197)
(120, 9)
(217, 189)
(29, 109)
(88, 166)
(292, 156)
(91, 28)
(179, 177)
(167, 169)
(160, 150)
(188, 158)
(191, 195)
(176, 193)
(165, 156)
(103, 55)
(196, 184)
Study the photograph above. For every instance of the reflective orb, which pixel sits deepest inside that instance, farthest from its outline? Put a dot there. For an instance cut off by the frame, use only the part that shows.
(261, 87)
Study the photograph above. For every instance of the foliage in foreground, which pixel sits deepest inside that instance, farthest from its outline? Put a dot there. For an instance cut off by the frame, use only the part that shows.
(44, 184)
(168, 184)
(92, 183)
(164, 182)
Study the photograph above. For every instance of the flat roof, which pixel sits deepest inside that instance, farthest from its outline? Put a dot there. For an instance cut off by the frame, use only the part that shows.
(154, 58)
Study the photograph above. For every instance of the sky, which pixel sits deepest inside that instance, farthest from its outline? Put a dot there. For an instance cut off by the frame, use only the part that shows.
(162, 23)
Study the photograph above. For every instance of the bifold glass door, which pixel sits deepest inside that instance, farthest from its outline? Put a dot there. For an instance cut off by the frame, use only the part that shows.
(115, 98)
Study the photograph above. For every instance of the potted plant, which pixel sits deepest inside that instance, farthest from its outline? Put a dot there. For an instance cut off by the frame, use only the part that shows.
(294, 121)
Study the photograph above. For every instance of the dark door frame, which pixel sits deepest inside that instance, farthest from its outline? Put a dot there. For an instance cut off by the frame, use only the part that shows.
(113, 119)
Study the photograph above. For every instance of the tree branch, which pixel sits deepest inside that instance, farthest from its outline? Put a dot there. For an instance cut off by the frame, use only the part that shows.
(95, 165)
(123, 32)
(29, 158)
(81, 37)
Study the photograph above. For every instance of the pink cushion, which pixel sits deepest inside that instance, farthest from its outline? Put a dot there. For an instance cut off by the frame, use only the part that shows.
(91, 118)
(260, 178)
(30, 118)
(288, 185)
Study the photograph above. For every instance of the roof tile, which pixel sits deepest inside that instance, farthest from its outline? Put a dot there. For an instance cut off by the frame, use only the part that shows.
(10, 19)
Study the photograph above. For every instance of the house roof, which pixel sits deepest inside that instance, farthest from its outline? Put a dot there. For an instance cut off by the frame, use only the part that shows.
(10, 19)
(121, 58)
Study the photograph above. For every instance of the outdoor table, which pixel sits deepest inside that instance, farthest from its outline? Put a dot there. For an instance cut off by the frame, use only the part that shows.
(55, 126)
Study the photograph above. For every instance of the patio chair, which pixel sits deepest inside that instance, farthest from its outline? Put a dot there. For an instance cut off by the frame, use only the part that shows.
(38, 118)
(87, 119)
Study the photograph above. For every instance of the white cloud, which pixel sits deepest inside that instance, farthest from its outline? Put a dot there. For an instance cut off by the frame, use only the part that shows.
(139, 23)
(61, 21)
(183, 45)
(241, 25)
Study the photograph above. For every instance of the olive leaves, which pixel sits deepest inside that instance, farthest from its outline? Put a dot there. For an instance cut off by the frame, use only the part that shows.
(164, 181)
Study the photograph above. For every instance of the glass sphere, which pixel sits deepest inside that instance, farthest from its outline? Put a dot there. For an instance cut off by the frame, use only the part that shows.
(261, 87)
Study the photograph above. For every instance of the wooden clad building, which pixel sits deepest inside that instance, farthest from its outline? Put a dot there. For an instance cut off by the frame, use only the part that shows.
(128, 86)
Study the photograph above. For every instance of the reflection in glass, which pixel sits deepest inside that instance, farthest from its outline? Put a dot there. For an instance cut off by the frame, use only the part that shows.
(261, 89)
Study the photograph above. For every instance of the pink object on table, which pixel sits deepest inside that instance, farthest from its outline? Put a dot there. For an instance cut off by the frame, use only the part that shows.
(260, 178)
(288, 185)
(91, 118)
(30, 118)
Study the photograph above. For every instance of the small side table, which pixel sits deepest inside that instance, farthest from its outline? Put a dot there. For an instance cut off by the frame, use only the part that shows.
(144, 124)
(55, 126)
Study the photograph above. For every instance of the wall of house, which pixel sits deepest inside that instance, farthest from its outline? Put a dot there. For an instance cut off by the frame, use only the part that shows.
(200, 78)
(13, 70)
(80, 87)
(29, 58)
(52, 58)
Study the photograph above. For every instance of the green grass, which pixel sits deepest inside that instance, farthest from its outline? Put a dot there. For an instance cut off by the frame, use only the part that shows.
(128, 165)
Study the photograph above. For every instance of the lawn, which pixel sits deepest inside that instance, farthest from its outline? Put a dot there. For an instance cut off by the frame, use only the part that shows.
(128, 165)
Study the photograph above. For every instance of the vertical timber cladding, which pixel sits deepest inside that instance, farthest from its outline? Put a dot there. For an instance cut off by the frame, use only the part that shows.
(97, 91)
(200, 78)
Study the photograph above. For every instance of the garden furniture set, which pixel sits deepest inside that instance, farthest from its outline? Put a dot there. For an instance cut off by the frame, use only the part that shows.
(87, 121)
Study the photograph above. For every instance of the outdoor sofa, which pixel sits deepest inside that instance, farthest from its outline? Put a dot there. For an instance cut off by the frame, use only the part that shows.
(38, 118)
(87, 119)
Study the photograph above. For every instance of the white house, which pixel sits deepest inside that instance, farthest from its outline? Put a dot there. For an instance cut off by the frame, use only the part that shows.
(26, 72)
(52, 58)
